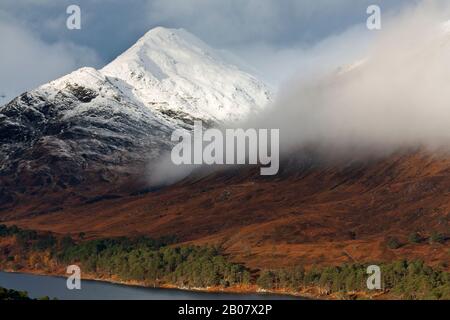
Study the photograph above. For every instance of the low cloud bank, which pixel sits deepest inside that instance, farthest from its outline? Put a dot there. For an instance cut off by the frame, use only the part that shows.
(398, 96)
(164, 172)
(26, 61)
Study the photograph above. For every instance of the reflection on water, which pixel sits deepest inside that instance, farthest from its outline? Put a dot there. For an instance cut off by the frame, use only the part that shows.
(55, 287)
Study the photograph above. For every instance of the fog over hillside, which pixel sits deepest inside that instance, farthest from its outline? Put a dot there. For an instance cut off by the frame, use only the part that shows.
(396, 97)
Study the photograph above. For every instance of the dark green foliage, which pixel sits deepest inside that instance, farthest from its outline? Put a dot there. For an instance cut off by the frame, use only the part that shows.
(415, 237)
(267, 279)
(415, 280)
(3, 230)
(66, 242)
(152, 261)
(288, 278)
(145, 259)
(9, 294)
(44, 242)
(6, 231)
(437, 238)
(24, 237)
(393, 243)
(409, 280)
(28, 238)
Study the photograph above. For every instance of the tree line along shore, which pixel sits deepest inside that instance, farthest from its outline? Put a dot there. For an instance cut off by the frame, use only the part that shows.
(160, 262)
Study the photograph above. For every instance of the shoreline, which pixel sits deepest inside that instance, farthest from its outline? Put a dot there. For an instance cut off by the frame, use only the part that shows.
(250, 289)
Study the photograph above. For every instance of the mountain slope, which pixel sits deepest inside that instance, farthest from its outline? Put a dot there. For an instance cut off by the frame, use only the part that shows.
(312, 213)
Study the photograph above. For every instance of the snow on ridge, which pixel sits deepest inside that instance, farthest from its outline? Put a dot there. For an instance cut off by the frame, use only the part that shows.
(85, 75)
(168, 75)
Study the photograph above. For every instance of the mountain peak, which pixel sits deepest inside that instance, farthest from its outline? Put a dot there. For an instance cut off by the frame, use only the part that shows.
(170, 42)
(164, 32)
(161, 30)
(173, 70)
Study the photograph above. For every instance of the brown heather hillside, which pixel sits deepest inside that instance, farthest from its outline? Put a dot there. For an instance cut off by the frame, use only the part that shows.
(308, 214)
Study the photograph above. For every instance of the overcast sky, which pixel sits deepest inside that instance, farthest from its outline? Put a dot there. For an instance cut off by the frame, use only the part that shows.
(276, 37)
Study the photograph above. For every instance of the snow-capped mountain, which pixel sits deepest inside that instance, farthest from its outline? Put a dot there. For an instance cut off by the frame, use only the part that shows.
(171, 72)
(106, 125)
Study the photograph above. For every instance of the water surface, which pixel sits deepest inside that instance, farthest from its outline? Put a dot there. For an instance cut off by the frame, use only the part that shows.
(55, 287)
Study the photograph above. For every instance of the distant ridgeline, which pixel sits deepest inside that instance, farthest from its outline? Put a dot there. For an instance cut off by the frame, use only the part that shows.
(153, 262)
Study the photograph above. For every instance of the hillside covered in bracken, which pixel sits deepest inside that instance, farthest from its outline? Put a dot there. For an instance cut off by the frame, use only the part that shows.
(312, 213)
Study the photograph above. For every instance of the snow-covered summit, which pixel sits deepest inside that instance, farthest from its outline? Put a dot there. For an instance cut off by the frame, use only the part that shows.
(171, 70)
